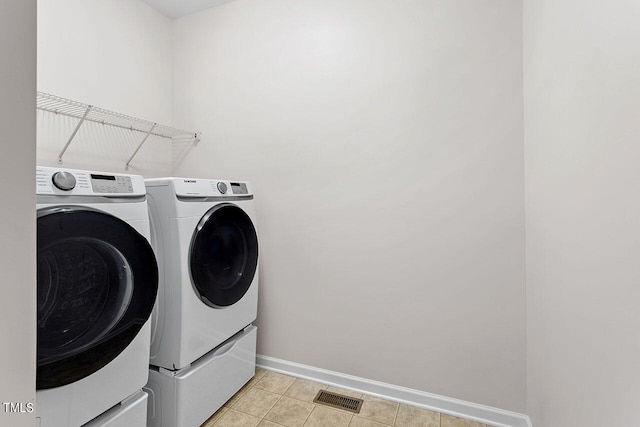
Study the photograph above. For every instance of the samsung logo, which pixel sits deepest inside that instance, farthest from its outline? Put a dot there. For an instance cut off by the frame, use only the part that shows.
(189, 181)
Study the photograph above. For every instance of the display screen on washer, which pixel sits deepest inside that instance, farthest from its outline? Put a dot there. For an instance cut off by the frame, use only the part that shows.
(111, 184)
(97, 280)
(239, 188)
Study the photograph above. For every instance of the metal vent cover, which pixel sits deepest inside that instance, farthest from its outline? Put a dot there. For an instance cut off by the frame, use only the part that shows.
(339, 401)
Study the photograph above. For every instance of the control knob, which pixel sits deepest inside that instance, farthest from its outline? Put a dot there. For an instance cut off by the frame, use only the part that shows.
(65, 181)
(222, 187)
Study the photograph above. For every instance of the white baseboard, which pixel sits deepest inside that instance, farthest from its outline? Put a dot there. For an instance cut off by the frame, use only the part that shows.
(446, 405)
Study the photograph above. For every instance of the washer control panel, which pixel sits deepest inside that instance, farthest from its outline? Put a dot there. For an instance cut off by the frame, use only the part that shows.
(111, 183)
(50, 180)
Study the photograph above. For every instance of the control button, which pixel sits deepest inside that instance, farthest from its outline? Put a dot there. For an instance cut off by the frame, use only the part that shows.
(222, 187)
(65, 181)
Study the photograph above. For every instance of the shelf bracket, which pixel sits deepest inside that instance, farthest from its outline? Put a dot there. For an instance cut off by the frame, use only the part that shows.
(126, 166)
(75, 131)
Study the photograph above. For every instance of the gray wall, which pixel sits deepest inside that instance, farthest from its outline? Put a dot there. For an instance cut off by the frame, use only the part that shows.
(384, 140)
(17, 228)
(582, 121)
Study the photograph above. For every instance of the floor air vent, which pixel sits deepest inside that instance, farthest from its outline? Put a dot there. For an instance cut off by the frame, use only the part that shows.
(338, 401)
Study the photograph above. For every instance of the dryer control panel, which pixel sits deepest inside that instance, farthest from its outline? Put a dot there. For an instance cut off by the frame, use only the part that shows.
(196, 187)
(87, 183)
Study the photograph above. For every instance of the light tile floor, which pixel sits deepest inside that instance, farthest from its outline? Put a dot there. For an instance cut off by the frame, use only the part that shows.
(271, 399)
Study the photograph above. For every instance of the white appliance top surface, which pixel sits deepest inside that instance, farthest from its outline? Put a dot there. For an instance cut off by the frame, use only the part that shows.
(173, 9)
(76, 182)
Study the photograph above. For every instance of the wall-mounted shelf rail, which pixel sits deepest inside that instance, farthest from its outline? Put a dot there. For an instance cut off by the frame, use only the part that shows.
(85, 112)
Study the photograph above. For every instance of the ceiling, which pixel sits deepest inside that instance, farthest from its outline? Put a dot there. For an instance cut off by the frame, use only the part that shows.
(176, 8)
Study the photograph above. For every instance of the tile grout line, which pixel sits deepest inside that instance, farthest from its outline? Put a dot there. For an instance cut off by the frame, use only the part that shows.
(308, 415)
(252, 387)
(281, 395)
(264, 417)
(395, 417)
(278, 424)
(299, 400)
(276, 402)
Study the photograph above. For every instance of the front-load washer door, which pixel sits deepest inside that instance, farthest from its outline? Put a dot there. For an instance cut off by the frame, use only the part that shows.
(97, 283)
(223, 255)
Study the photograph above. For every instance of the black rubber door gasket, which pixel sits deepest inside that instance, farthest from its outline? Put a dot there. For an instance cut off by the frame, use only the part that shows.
(223, 255)
(97, 284)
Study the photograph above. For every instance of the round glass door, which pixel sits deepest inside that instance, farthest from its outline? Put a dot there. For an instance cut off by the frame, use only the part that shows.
(97, 283)
(223, 255)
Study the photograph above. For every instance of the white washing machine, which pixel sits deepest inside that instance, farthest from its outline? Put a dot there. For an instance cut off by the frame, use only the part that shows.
(202, 343)
(97, 280)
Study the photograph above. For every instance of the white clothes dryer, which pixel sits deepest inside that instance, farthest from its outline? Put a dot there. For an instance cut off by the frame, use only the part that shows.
(205, 238)
(97, 281)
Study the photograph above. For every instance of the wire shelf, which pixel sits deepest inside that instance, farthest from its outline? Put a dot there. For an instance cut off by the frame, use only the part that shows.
(85, 112)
